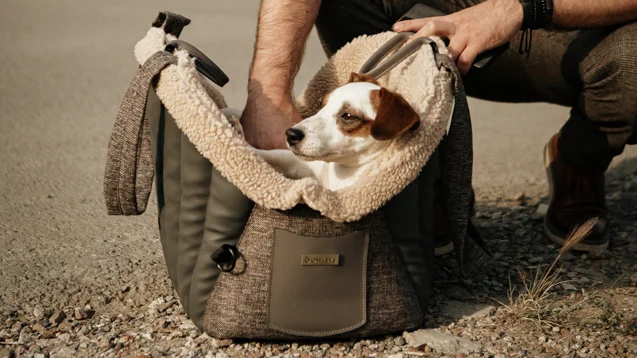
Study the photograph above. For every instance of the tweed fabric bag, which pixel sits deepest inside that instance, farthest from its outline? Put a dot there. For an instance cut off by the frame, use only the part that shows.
(361, 256)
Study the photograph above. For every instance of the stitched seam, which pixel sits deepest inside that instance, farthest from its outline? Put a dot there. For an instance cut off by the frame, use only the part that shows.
(274, 230)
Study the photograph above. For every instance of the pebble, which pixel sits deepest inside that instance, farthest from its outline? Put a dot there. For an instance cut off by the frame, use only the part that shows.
(569, 287)
(82, 314)
(38, 327)
(541, 210)
(222, 343)
(57, 317)
(441, 342)
(38, 312)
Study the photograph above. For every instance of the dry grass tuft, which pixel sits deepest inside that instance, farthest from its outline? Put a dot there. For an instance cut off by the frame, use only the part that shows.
(535, 298)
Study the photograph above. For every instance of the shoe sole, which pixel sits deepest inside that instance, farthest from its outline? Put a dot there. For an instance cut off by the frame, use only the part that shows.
(593, 250)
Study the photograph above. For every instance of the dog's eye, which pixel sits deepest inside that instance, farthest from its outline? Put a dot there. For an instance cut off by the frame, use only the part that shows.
(347, 117)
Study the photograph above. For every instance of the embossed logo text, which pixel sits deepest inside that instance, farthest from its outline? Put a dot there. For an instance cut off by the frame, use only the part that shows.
(319, 260)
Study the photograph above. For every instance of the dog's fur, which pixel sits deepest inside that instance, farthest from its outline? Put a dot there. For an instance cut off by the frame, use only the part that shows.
(357, 122)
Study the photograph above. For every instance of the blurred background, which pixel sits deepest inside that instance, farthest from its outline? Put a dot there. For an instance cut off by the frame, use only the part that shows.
(64, 68)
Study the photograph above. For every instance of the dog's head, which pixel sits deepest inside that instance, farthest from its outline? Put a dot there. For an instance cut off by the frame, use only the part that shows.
(357, 120)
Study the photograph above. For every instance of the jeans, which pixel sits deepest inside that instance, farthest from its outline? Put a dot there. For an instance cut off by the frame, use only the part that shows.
(592, 71)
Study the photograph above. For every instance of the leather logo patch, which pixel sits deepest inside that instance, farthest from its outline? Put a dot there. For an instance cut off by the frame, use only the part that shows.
(320, 260)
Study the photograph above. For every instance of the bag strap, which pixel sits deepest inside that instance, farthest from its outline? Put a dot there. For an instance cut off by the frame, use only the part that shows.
(375, 69)
(129, 172)
(128, 177)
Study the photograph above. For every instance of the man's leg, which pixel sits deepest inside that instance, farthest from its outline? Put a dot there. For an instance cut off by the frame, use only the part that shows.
(340, 21)
(592, 71)
(602, 122)
(605, 115)
(595, 73)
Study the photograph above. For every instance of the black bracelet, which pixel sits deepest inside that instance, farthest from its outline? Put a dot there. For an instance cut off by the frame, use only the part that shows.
(537, 14)
(547, 12)
(528, 14)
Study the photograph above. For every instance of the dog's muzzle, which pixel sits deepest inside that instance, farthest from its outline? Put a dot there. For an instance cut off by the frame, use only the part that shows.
(294, 136)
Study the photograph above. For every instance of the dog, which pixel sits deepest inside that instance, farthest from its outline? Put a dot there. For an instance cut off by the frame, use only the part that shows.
(356, 123)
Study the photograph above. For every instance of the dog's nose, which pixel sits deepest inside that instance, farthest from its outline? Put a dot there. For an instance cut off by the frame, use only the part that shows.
(294, 135)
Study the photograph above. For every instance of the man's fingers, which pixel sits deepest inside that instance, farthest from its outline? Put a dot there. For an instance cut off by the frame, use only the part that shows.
(456, 46)
(409, 25)
(466, 58)
(436, 28)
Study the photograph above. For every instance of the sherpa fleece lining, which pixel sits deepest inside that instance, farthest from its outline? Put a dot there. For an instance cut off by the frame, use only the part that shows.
(195, 105)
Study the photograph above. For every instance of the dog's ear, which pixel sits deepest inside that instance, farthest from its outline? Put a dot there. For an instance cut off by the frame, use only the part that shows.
(358, 77)
(394, 116)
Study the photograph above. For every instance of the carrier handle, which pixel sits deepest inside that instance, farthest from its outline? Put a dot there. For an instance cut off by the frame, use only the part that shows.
(375, 70)
(204, 65)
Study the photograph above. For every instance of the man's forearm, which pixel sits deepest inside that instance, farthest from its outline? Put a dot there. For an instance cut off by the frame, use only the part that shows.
(283, 28)
(576, 14)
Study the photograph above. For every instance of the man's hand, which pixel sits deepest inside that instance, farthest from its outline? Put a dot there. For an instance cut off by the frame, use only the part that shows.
(283, 28)
(472, 30)
(265, 120)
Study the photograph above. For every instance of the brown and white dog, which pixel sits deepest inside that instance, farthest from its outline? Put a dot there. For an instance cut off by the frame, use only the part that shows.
(357, 122)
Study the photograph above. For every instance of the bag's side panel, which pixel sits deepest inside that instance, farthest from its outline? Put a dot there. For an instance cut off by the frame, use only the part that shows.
(166, 148)
(237, 307)
(410, 221)
(196, 172)
(426, 196)
(226, 216)
(402, 213)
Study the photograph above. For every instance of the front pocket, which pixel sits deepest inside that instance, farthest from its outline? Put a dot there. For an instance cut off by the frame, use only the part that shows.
(318, 284)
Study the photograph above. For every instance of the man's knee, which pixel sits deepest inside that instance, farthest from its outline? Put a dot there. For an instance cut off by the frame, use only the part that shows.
(609, 75)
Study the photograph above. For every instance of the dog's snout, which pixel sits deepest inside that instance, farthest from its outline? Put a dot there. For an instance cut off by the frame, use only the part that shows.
(294, 135)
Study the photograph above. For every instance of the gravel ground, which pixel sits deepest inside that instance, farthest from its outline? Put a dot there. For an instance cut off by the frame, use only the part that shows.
(592, 312)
